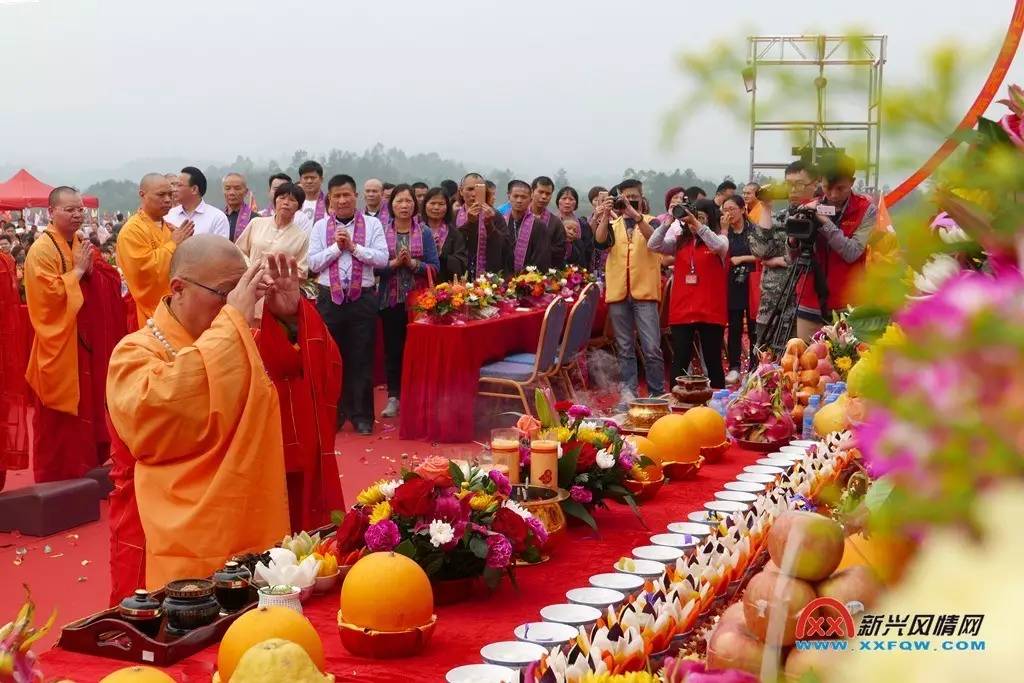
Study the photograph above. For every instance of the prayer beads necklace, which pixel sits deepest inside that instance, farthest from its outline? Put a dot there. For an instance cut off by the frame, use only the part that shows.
(161, 338)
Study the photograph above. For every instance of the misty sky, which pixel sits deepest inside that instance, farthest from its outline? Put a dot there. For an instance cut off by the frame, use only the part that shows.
(529, 84)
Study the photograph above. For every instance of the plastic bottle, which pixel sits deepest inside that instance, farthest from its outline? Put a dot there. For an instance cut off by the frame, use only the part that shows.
(809, 411)
(719, 401)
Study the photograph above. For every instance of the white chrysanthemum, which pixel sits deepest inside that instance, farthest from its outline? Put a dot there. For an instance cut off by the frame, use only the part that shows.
(531, 269)
(473, 297)
(488, 291)
(605, 460)
(387, 488)
(441, 533)
(517, 508)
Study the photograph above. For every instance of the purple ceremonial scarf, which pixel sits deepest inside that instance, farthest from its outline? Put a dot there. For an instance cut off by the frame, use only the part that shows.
(321, 209)
(481, 238)
(440, 235)
(355, 287)
(244, 215)
(415, 250)
(383, 213)
(523, 239)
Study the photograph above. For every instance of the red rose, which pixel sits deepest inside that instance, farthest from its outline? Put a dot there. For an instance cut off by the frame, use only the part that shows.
(587, 454)
(413, 498)
(351, 530)
(512, 526)
(563, 406)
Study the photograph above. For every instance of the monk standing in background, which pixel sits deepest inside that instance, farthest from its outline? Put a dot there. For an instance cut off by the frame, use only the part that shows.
(13, 412)
(197, 370)
(74, 303)
(146, 243)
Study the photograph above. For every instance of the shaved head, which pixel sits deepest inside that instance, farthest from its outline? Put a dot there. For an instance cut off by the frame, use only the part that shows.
(207, 254)
(373, 183)
(149, 179)
(57, 194)
(235, 175)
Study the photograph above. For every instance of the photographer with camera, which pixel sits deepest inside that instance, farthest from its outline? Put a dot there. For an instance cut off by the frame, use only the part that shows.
(697, 304)
(770, 246)
(738, 227)
(632, 284)
(844, 220)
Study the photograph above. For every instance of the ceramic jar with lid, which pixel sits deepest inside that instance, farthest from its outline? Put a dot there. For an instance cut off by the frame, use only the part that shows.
(232, 587)
(142, 611)
(189, 604)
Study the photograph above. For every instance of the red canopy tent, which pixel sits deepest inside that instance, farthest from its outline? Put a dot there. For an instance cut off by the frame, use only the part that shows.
(24, 191)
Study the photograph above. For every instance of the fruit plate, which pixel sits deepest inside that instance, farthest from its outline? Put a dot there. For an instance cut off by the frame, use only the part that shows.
(715, 453)
(644, 490)
(762, 446)
(364, 642)
(677, 471)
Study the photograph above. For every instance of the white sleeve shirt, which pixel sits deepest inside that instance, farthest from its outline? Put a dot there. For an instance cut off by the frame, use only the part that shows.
(324, 252)
(209, 220)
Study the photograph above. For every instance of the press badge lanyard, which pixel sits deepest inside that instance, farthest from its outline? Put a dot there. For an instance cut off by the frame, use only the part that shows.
(691, 277)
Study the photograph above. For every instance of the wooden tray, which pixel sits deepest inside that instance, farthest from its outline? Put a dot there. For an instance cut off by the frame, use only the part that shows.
(105, 634)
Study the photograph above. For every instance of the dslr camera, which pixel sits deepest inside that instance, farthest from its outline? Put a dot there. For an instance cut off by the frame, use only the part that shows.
(618, 201)
(679, 211)
(801, 223)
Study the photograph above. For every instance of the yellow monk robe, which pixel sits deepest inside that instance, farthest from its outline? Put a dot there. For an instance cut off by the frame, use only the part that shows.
(204, 427)
(144, 250)
(76, 324)
(54, 297)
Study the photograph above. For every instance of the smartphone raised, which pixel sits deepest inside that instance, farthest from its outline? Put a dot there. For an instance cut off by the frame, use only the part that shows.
(480, 193)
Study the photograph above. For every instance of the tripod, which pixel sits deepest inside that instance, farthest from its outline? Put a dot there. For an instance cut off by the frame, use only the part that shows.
(779, 328)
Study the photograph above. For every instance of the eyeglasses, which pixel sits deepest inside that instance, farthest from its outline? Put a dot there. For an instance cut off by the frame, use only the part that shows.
(211, 290)
(800, 184)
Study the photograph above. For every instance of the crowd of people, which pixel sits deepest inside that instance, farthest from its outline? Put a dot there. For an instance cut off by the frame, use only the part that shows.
(184, 318)
(721, 264)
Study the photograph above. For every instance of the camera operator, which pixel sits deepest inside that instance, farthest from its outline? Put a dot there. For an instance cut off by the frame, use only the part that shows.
(840, 244)
(697, 304)
(770, 246)
(632, 284)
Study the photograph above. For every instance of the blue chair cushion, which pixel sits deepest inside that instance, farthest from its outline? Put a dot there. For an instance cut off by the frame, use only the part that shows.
(505, 370)
(527, 358)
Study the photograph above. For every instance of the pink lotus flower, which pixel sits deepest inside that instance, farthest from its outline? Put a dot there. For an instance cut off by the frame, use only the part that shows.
(1014, 127)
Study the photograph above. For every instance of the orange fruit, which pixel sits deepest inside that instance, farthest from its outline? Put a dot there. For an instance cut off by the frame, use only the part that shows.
(789, 362)
(810, 378)
(678, 440)
(709, 425)
(796, 346)
(387, 592)
(809, 360)
(264, 623)
(137, 674)
(645, 446)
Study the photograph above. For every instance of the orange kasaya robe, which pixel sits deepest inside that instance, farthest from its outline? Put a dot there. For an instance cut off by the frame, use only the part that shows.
(13, 404)
(77, 323)
(204, 428)
(144, 250)
(307, 380)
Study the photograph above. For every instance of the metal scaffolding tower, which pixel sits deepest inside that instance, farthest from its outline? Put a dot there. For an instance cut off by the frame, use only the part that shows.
(819, 52)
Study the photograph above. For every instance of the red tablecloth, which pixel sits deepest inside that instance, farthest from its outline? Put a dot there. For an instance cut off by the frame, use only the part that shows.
(441, 369)
(464, 628)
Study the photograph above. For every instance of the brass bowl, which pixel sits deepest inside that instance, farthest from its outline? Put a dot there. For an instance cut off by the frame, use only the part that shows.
(545, 505)
(644, 412)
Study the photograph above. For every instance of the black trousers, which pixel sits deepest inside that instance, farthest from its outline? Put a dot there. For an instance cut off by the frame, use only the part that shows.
(735, 347)
(394, 321)
(711, 346)
(353, 326)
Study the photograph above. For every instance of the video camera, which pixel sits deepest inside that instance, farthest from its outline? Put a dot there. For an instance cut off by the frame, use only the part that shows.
(801, 223)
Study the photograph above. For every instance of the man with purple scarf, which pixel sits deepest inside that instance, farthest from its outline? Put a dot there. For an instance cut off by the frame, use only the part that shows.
(345, 246)
(239, 204)
(537, 235)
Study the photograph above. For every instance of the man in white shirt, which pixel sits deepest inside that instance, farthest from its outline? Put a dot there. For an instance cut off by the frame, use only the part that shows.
(311, 179)
(344, 248)
(208, 220)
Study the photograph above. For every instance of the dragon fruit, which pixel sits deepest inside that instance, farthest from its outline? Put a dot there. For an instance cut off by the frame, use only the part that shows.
(761, 411)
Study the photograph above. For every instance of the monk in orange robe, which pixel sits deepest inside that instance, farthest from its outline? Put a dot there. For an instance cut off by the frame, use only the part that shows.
(146, 243)
(13, 410)
(74, 304)
(190, 397)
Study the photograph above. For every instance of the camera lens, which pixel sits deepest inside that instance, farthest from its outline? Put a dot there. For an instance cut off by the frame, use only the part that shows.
(678, 211)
